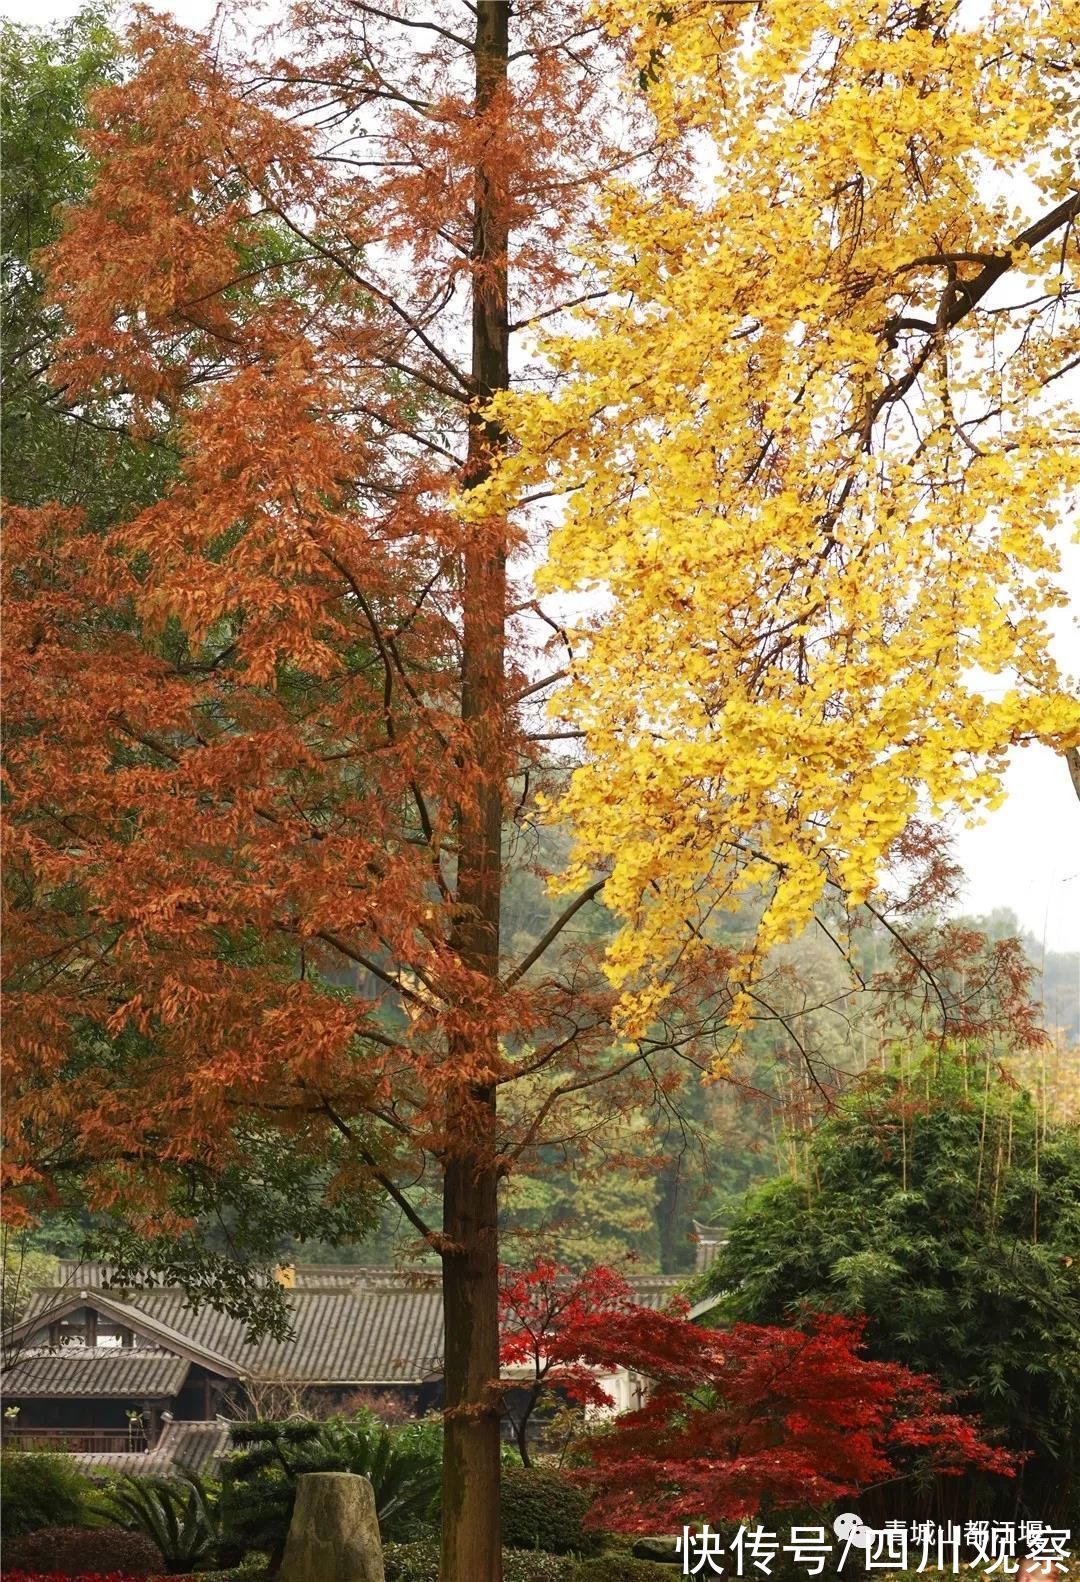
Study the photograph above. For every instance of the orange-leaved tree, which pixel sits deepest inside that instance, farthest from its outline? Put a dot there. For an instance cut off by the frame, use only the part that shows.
(269, 736)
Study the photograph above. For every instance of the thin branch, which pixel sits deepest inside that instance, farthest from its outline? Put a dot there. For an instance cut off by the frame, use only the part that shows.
(561, 307)
(797, 1041)
(388, 301)
(827, 931)
(428, 27)
(566, 1088)
(389, 978)
(553, 933)
(908, 948)
(432, 1237)
(538, 686)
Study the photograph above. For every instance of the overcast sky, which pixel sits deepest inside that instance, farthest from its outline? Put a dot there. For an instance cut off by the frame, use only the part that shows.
(1026, 854)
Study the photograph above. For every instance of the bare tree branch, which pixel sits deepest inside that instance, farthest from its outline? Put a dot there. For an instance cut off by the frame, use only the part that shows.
(432, 1237)
(538, 686)
(553, 933)
(428, 27)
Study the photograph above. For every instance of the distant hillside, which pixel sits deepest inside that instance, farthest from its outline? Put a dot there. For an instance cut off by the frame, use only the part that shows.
(1057, 974)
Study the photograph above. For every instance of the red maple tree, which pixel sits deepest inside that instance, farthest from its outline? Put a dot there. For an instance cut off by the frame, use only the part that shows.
(551, 1324)
(736, 1421)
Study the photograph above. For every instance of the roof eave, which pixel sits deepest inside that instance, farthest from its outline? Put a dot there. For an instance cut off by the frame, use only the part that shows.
(213, 1362)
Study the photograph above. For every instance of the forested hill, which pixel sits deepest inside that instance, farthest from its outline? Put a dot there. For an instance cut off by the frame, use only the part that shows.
(1057, 974)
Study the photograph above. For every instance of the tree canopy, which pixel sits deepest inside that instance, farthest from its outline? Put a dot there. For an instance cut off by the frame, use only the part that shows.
(56, 449)
(818, 449)
(940, 1203)
(274, 729)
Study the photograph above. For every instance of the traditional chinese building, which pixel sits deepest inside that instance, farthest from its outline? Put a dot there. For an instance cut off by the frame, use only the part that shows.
(120, 1375)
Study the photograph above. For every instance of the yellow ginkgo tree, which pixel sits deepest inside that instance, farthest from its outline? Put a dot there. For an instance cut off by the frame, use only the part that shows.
(819, 446)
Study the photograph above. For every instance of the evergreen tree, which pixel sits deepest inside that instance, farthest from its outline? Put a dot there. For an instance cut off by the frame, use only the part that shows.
(939, 1203)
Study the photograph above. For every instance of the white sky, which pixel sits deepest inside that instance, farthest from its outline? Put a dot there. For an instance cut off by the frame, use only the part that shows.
(1026, 854)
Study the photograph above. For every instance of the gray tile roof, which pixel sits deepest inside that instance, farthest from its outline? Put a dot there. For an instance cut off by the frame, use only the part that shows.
(341, 1337)
(135, 1315)
(95, 1373)
(182, 1447)
(377, 1331)
(194, 1447)
(139, 1463)
(351, 1337)
(656, 1290)
(305, 1277)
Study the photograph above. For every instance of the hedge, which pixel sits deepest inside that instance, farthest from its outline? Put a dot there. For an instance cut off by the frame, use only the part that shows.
(83, 1551)
(542, 1509)
(419, 1562)
(622, 1568)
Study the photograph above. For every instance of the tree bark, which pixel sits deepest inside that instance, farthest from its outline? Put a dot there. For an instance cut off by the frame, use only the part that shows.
(666, 1212)
(471, 1536)
(1072, 759)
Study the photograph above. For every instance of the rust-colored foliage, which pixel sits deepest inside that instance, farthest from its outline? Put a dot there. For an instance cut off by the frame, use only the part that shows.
(264, 736)
(239, 754)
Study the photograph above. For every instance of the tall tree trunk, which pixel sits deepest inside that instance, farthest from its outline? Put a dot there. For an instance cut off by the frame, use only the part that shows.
(471, 1537)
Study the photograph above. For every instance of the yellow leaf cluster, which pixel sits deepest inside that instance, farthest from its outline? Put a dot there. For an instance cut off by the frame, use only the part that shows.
(818, 445)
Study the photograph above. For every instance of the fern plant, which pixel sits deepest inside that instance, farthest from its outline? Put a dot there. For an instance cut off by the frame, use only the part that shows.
(178, 1515)
(405, 1476)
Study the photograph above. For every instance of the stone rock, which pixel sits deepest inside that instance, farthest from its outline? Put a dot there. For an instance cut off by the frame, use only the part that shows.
(334, 1532)
(662, 1551)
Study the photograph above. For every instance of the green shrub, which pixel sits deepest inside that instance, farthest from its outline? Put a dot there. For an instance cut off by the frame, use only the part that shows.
(403, 1468)
(253, 1570)
(424, 1435)
(39, 1491)
(519, 1565)
(419, 1562)
(621, 1568)
(542, 1509)
(83, 1551)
